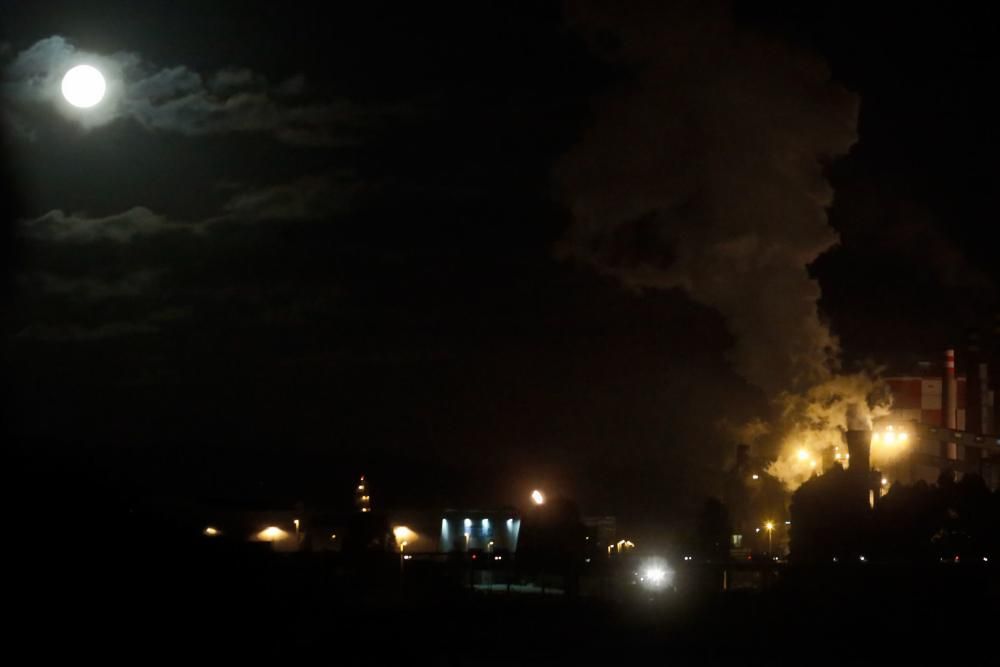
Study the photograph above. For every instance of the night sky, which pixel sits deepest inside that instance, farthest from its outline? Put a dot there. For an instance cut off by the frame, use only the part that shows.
(313, 241)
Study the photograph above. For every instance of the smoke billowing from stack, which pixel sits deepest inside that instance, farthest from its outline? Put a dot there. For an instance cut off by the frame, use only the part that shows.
(705, 172)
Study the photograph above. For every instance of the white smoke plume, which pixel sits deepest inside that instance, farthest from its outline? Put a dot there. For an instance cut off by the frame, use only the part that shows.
(704, 171)
(812, 423)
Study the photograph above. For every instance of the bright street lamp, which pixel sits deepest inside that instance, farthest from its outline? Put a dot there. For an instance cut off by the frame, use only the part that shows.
(537, 497)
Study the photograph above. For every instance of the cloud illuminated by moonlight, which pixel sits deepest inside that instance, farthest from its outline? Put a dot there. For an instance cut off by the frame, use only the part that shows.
(172, 99)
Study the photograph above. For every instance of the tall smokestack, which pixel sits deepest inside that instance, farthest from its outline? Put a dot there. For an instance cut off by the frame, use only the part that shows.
(949, 392)
(859, 449)
(973, 387)
(859, 446)
(859, 441)
(985, 400)
(995, 362)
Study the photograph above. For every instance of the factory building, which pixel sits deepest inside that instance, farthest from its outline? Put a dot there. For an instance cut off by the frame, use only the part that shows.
(944, 419)
(489, 531)
(941, 421)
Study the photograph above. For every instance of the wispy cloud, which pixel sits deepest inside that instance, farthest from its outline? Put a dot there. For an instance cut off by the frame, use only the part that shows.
(309, 198)
(90, 287)
(175, 99)
(56, 225)
(78, 332)
(141, 271)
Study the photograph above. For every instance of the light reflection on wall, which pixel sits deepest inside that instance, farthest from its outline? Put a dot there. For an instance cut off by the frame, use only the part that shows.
(464, 533)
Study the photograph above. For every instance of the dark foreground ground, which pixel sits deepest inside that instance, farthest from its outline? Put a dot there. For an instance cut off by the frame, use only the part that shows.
(91, 582)
(145, 603)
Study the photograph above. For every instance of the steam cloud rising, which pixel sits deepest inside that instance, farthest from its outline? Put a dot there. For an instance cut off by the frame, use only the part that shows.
(705, 172)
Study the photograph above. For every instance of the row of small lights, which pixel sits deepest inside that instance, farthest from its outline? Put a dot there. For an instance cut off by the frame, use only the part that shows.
(402, 533)
(269, 534)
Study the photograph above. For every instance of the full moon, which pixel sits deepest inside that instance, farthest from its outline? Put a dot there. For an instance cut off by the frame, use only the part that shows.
(83, 86)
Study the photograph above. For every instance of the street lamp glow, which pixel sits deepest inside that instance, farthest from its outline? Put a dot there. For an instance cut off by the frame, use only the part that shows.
(802, 455)
(271, 534)
(211, 532)
(537, 497)
(403, 534)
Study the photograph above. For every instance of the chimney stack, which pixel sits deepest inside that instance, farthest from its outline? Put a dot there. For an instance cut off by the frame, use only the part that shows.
(995, 362)
(949, 392)
(859, 446)
(986, 414)
(973, 387)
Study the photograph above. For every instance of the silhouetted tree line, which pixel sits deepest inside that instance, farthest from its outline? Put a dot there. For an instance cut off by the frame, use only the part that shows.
(832, 518)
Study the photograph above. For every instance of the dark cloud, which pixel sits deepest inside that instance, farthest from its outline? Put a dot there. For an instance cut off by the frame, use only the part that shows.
(84, 273)
(90, 287)
(76, 332)
(309, 198)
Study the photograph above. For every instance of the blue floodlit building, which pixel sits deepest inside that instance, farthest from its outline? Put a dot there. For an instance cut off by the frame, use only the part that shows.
(480, 530)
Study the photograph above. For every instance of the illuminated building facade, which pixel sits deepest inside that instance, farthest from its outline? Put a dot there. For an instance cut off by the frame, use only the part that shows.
(489, 531)
(940, 423)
